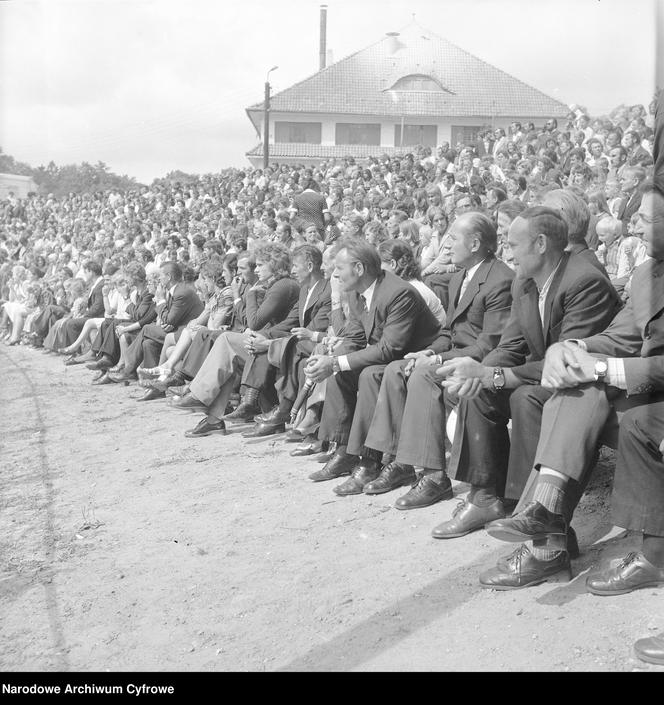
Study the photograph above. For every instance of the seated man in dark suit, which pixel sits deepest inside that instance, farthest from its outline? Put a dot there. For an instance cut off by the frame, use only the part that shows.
(288, 345)
(95, 305)
(211, 388)
(182, 305)
(596, 379)
(409, 418)
(388, 318)
(555, 297)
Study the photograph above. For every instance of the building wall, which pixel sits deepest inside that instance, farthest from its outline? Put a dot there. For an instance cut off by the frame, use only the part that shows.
(19, 185)
(387, 131)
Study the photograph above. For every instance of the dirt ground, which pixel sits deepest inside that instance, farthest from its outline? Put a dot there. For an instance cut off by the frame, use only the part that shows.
(125, 546)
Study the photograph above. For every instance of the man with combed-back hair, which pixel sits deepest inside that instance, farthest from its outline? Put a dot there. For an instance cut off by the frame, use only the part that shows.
(388, 318)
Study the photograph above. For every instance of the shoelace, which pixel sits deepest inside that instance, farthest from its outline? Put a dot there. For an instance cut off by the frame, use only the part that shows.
(459, 507)
(629, 558)
(517, 556)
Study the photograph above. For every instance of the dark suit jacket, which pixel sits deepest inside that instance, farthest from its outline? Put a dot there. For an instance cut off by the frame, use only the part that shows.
(581, 301)
(637, 332)
(184, 306)
(581, 249)
(95, 307)
(316, 316)
(238, 321)
(144, 310)
(475, 323)
(628, 207)
(264, 310)
(398, 322)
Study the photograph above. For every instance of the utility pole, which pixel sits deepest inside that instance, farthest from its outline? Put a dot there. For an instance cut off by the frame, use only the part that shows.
(266, 120)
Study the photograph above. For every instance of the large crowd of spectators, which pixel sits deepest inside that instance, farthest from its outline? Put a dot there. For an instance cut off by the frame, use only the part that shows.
(395, 313)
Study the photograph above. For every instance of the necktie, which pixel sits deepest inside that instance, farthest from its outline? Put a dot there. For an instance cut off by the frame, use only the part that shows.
(464, 286)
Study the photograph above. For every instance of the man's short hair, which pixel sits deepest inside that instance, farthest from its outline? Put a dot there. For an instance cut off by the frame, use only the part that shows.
(484, 228)
(362, 251)
(637, 172)
(548, 222)
(573, 210)
(93, 267)
(511, 208)
(174, 269)
(310, 254)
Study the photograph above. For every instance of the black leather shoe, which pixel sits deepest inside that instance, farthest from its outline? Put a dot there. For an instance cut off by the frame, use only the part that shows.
(203, 428)
(310, 446)
(634, 571)
(424, 493)
(188, 402)
(533, 523)
(243, 413)
(151, 394)
(337, 466)
(103, 364)
(265, 428)
(363, 473)
(393, 475)
(572, 546)
(522, 570)
(102, 379)
(651, 650)
(468, 517)
(273, 416)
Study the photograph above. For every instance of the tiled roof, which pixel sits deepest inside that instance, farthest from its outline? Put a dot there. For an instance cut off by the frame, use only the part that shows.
(321, 151)
(360, 83)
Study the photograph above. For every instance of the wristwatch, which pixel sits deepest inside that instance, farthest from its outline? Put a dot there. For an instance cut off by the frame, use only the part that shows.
(601, 369)
(335, 365)
(498, 379)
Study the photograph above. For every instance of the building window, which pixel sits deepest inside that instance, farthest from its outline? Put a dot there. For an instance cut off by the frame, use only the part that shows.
(426, 135)
(357, 133)
(465, 134)
(305, 132)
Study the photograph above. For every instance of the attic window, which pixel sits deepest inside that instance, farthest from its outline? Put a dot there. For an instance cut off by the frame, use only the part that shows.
(418, 82)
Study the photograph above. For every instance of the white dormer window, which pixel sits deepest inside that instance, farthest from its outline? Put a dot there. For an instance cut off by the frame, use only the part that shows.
(419, 82)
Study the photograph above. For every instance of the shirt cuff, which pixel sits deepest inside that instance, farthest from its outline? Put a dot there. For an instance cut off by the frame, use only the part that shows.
(615, 375)
(343, 363)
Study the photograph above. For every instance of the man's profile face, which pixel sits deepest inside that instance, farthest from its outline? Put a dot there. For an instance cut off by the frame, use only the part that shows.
(348, 271)
(526, 258)
(650, 224)
(461, 242)
(616, 158)
(300, 270)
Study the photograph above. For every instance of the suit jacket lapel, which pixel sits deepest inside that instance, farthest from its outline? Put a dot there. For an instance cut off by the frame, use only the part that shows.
(473, 288)
(532, 331)
(315, 295)
(653, 299)
(370, 316)
(552, 291)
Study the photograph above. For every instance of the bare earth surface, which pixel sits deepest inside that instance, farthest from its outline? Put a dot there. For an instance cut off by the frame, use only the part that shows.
(125, 546)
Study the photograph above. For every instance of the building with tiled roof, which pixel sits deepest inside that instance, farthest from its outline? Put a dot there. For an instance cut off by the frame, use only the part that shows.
(410, 88)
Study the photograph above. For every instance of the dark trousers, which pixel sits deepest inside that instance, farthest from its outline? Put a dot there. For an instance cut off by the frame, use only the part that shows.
(197, 352)
(575, 423)
(46, 318)
(72, 329)
(409, 419)
(350, 400)
(146, 348)
(106, 342)
(482, 453)
(638, 488)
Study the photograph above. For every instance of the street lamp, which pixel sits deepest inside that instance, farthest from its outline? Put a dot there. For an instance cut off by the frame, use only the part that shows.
(266, 119)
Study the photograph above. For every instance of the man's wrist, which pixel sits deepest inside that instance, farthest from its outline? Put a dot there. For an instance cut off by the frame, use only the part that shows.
(336, 367)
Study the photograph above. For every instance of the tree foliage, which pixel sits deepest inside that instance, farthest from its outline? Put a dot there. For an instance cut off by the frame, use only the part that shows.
(70, 178)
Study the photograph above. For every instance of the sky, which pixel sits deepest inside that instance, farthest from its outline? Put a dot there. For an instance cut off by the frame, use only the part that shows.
(150, 86)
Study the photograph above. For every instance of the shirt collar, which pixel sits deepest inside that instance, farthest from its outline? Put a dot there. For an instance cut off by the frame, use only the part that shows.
(547, 284)
(171, 291)
(470, 273)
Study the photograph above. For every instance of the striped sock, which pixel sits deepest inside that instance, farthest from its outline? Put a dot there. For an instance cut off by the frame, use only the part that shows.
(550, 496)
